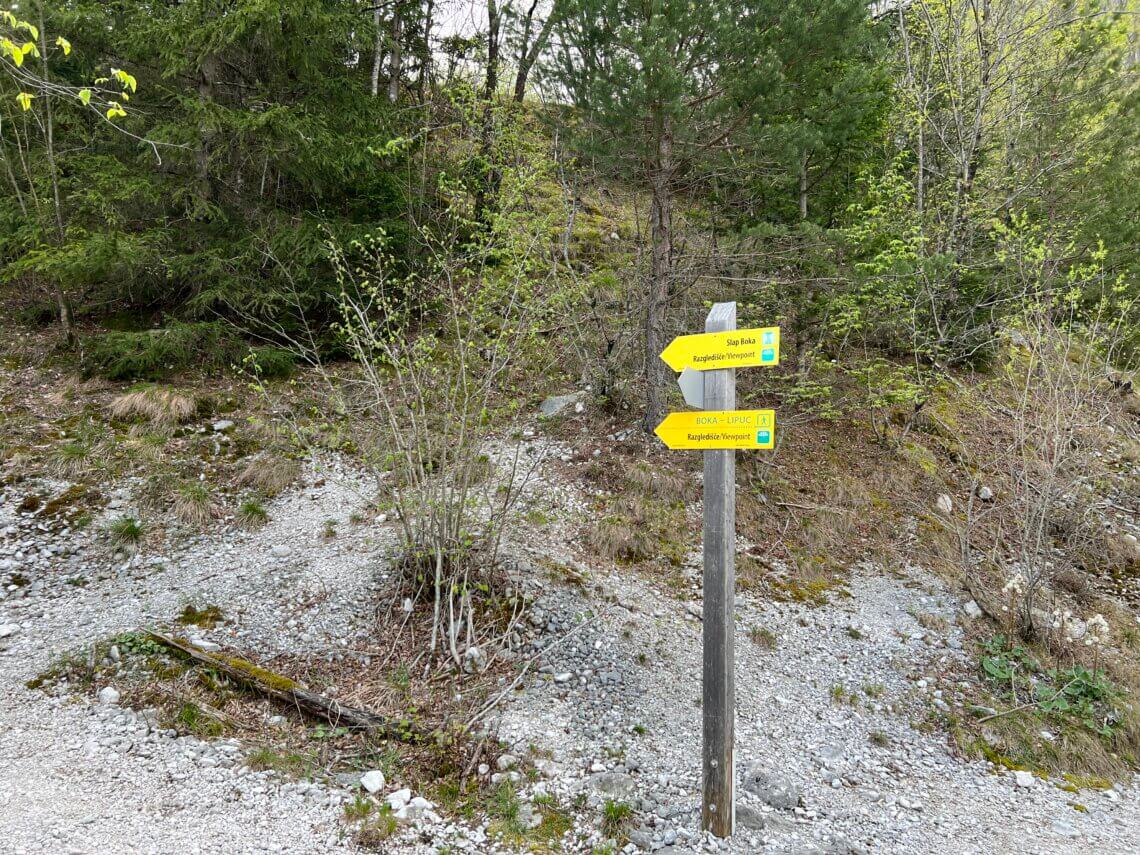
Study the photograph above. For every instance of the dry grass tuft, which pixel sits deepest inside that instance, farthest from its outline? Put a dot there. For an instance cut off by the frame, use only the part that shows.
(159, 406)
(638, 529)
(658, 482)
(269, 474)
(193, 504)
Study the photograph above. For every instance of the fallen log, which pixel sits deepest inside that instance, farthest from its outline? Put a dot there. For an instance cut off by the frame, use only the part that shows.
(289, 691)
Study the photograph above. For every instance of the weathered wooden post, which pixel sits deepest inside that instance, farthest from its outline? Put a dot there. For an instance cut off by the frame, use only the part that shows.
(718, 808)
(708, 381)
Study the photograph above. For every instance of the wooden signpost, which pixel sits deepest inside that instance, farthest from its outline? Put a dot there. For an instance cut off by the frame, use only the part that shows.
(719, 429)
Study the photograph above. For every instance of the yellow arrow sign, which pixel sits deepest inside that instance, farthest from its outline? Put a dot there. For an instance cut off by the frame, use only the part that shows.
(733, 349)
(719, 429)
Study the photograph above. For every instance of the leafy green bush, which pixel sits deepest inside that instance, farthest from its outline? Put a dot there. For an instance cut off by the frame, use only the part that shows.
(160, 353)
(273, 361)
(157, 354)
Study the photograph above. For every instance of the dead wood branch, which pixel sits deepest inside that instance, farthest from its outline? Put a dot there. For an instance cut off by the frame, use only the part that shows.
(288, 691)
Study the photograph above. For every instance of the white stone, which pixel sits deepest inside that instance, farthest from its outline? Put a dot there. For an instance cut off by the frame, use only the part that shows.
(1023, 779)
(985, 494)
(972, 610)
(223, 426)
(281, 550)
(8, 629)
(109, 695)
(398, 800)
(944, 504)
(1064, 829)
(474, 660)
(506, 761)
(373, 781)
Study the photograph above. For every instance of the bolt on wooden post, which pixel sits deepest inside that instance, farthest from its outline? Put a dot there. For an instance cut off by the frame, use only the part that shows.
(708, 364)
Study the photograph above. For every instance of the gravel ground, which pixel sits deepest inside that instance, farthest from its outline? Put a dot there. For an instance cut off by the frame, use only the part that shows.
(816, 774)
(613, 709)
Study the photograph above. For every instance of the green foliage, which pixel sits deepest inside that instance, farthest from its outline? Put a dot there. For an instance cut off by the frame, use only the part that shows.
(258, 148)
(138, 644)
(161, 353)
(273, 362)
(616, 817)
(126, 531)
(1077, 693)
(1083, 694)
(252, 514)
(158, 354)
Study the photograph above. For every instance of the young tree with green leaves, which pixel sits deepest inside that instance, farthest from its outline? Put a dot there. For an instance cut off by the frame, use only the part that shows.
(673, 92)
(32, 97)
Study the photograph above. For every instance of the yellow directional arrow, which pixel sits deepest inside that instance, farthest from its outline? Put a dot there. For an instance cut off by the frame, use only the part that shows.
(734, 349)
(719, 429)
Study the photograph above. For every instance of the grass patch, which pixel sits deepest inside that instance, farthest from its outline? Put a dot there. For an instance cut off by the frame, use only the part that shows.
(199, 721)
(616, 819)
(72, 459)
(126, 531)
(377, 826)
(290, 764)
(646, 519)
(639, 529)
(840, 695)
(252, 514)
(193, 503)
(762, 637)
(505, 810)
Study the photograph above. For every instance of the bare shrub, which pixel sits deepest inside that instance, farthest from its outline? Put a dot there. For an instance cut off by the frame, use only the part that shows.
(1048, 410)
(439, 348)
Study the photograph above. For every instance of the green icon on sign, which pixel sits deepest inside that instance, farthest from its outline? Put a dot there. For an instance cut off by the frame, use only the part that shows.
(768, 354)
(763, 437)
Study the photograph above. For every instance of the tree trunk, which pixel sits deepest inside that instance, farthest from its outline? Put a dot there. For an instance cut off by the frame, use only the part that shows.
(803, 187)
(529, 51)
(62, 304)
(491, 82)
(920, 182)
(206, 79)
(397, 57)
(971, 158)
(660, 274)
(489, 187)
(426, 57)
(378, 52)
